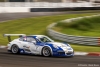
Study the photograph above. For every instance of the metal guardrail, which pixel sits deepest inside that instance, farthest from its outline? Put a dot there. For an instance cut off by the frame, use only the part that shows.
(72, 38)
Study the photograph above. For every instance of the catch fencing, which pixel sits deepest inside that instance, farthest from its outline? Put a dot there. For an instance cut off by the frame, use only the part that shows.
(45, 4)
(12, 7)
(85, 40)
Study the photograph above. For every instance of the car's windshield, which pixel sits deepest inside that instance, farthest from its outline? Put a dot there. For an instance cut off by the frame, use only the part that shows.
(46, 39)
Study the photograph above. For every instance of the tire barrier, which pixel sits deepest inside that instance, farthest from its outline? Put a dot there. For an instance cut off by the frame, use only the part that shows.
(85, 40)
(63, 9)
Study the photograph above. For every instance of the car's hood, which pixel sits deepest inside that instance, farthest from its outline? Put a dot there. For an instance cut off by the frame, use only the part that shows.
(64, 46)
(60, 44)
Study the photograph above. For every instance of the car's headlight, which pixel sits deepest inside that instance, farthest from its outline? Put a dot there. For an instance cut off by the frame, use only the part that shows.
(69, 48)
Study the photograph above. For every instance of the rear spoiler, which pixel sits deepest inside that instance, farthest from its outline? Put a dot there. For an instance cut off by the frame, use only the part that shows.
(9, 36)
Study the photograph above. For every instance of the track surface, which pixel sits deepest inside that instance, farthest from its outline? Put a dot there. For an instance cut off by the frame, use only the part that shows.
(12, 60)
(12, 16)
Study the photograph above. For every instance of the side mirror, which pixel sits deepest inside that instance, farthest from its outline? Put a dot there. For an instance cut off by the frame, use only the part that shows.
(34, 42)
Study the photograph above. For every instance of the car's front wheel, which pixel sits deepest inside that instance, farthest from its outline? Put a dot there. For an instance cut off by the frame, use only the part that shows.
(46, 52)
(15, 49)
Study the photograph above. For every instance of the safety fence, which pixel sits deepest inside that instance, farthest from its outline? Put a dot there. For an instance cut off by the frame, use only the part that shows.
(72, 38)
(45, 4)
(12, 7)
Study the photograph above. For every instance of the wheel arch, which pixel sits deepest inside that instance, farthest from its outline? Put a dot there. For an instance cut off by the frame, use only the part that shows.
(17, 47)
(16, 44)
(49, 48)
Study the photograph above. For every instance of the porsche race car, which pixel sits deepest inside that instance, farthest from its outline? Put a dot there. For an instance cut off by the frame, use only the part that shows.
(38, 45)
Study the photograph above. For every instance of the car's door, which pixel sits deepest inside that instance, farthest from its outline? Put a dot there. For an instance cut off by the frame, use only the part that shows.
(25, 44)
(32, 45)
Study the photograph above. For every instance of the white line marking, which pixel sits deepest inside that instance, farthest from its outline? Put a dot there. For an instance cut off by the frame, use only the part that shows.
(3, 46)
(80, 53)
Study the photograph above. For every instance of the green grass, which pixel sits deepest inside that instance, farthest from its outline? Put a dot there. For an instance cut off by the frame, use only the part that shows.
(33, 25)
(82, 27)
(85, 48)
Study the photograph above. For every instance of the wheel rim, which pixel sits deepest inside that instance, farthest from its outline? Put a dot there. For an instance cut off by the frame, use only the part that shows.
(14, 49)
(46, 52)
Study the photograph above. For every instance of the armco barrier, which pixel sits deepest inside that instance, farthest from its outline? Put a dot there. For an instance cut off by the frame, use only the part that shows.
(71, 38)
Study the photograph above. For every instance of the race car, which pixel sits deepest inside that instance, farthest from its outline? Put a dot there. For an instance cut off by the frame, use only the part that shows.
(38, 45)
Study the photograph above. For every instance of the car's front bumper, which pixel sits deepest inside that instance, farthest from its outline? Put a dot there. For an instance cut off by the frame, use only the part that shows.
(63, 54)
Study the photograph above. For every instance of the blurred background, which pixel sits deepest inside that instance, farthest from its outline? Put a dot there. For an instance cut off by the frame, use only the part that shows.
(46, 2)
(35, 17)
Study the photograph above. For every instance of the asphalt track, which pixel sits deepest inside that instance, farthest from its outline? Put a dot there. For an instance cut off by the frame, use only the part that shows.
(13, 60)
(12, 16)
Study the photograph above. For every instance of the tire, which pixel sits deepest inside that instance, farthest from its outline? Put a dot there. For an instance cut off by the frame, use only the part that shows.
(15, 49)
(46, 51)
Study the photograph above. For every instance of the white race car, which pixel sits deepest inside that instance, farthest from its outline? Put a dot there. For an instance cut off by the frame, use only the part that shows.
(38, 45)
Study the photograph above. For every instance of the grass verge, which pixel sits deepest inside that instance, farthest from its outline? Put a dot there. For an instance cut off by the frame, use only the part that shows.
(82, 27)
(84, 48)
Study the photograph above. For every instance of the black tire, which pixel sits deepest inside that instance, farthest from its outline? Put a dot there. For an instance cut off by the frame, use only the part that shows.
(15, 49)
(46, 51)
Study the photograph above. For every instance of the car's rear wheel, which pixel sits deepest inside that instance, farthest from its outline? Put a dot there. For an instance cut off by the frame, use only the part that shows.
(46, 52)
(15, 49)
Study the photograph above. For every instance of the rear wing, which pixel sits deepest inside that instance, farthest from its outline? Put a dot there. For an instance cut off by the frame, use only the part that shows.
(9, 36)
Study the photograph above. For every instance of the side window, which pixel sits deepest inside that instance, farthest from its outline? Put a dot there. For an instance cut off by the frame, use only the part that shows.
(22, 39)
(30, 39)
